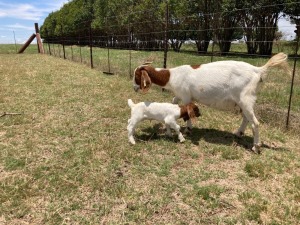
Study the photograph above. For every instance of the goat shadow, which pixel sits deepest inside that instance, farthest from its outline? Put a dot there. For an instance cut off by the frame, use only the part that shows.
(209, 135)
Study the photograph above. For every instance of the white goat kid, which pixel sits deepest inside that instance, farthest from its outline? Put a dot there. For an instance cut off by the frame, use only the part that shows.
(163, 112)
(222, 85)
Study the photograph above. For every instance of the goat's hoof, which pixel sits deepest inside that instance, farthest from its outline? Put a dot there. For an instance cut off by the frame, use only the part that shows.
(132, 141)
(256, 148)
(175, 100)
(182, 140)
(169, 134)
(238, 133)
(188, 130)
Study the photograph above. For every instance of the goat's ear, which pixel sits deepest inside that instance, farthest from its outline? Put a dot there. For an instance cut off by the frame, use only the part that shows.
(192, 113)
(145, 81)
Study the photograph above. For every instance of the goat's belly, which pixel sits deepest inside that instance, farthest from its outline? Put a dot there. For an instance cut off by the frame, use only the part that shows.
(215, 97)
(224, 104)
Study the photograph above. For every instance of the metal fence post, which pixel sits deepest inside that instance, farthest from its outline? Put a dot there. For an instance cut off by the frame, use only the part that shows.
(91, 46)
(129, 44)
(292, 83)
(48, 42)
(63, 42)
(109, 41)
(166, 35)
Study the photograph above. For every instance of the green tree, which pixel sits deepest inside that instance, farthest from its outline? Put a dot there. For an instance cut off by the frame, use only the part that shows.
(259, 21)
(178, 23)
(48, 28)
(292, 9)
(72, 19)
(225, 21)
(200, 17)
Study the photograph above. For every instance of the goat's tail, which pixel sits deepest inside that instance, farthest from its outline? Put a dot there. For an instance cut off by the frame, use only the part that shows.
(130, 103)
(279, 59)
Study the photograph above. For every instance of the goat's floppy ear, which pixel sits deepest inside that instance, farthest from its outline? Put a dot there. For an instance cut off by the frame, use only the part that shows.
(193, 112)
(145, 81)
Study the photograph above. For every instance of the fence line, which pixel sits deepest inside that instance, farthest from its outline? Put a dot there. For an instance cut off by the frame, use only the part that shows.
(163, 41)
(58, 50)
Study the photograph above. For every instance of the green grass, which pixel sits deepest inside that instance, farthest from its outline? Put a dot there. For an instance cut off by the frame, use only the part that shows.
(14, 48)
(66, 159)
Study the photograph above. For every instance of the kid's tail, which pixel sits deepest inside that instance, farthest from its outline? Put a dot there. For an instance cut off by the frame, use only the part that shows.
(279, 59)
(130, 103)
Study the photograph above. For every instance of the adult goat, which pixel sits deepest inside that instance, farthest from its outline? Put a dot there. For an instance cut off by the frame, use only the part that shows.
(221, 85)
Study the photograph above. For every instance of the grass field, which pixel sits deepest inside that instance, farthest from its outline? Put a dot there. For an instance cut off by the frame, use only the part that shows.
(66, 158)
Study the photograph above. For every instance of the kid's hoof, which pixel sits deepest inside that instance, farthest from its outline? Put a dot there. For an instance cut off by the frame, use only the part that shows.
(182, 140)
(256, 148)
(188, 130)
(238, 133)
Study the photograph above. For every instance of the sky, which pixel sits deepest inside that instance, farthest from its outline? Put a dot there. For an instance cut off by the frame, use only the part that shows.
(17, 18)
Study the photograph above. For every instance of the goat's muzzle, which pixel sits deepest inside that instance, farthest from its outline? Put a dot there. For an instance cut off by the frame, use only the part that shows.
(136, 87)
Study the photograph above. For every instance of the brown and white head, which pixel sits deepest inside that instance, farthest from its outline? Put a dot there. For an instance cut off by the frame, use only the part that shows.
(189, 111)
(141, 79)
(146, 75)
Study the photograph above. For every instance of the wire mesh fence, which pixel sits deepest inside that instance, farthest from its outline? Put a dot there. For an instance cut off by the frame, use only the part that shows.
(172, 40)
(277, 105)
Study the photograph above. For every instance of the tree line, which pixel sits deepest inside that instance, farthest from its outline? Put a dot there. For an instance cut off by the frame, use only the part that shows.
(145, 24)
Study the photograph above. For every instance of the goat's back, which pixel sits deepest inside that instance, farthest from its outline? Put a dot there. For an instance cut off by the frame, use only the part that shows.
(155, 110)
(218, 84)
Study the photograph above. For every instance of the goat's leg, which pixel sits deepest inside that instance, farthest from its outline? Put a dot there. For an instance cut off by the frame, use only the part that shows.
(175, 100)
(241, 131)
(249, 114)
(176, 127)
(255, 131)
(169, 133)
(130, 127)
(189, 127)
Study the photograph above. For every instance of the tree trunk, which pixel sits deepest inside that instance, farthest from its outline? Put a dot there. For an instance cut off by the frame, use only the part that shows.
(267, 33)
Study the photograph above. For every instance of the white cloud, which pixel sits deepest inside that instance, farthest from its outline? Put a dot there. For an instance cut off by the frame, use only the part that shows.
(56, 4)
(19, 26)
(287, 28)
(20, 11)
(25, 11)
(20, 16)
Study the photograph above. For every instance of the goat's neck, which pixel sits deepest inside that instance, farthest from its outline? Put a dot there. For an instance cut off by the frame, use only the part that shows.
(184, 113)
(159, 76)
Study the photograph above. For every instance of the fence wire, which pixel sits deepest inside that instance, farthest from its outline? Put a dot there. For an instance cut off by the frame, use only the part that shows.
(120, 47)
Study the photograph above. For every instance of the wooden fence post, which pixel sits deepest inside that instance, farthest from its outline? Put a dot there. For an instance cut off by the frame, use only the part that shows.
(38, 39)
(27, 43)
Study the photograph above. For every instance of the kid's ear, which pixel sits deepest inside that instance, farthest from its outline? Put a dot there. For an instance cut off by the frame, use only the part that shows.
(192, 113)
(145, 81)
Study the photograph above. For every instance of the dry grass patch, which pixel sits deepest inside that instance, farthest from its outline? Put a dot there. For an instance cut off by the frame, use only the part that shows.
(66, 159)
